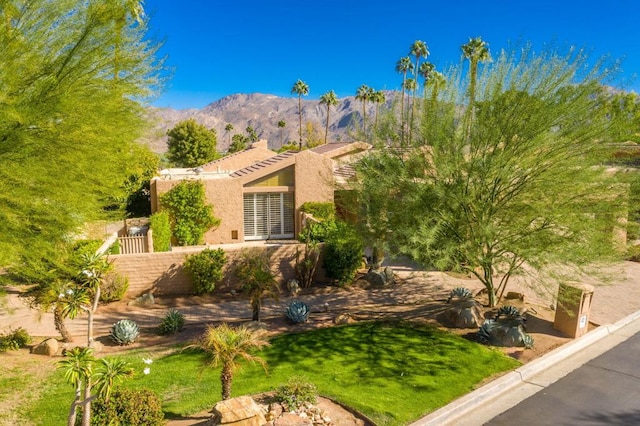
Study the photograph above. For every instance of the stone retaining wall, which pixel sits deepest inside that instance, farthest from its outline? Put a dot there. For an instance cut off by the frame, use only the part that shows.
(163, 274)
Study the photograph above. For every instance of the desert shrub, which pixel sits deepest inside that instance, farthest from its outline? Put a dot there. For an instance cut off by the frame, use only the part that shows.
(172, 322)
(633, 253)
(14, 340)
(128, 407)
(296, 393)
(325, 213)
(125, 332)
(160, 231)
(343, 253)
(113, 288)
(205, 269)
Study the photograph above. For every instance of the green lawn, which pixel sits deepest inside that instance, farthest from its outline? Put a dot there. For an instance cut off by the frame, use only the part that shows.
(393, 373)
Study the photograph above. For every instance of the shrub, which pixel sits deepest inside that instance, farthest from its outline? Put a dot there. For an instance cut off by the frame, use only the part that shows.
(160, 231)
(205, 269)
(298, 312)
(343, 253)
(321, 211)
(14, 340)
(189, 214)
(172, 322)
(113, 288)
(325, 214)
(297, 393)
(128, 407)
(125, 332)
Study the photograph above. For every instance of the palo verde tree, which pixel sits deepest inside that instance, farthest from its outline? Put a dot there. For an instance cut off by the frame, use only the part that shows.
(521, 192)
(190, 144)
(66, 124)
(189, 214)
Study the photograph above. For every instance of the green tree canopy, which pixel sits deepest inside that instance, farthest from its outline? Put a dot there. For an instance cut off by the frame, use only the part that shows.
(66, 124)
(515, 189)
(191, 144)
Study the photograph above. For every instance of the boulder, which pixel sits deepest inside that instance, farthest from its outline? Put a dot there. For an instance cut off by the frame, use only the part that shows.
(293, 286)
(240, 411)
(344, 319)
(507, 333)
(291, 419)
(144, 300)
(464, 313)
(47, 347)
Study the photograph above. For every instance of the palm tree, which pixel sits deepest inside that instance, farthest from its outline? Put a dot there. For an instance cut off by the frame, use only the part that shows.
(281, 125)
(111, 371)
(476, 51)
(411, 85)
(379, 98)
(257, 279)
(363, 94)
(418, 50)
(78, 368)
(426, 71)
(301, 89)
(403, 66)
(228, 128)
(224, 345)
(329, 99)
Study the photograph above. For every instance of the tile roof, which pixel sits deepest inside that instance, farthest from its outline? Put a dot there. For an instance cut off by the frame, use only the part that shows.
(261, 165)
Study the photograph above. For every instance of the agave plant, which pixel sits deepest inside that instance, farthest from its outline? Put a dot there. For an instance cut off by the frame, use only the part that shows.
(484, 334)
(124, 332)
(528, 341)
(298, 312)
(460, 293)
(509, 312)
(172, 322)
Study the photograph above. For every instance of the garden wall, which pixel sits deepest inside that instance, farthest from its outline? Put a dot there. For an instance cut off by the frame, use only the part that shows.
(162, 273)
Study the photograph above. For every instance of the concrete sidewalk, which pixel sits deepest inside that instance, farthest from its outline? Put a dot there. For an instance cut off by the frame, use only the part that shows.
(485, 403)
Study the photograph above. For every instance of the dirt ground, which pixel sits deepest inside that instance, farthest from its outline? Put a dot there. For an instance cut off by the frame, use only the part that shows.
(415, 297)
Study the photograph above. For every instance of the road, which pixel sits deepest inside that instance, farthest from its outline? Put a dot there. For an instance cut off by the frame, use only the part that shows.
(604, 391)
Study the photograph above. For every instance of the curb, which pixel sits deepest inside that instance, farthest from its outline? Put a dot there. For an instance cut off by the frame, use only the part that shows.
(471, 401)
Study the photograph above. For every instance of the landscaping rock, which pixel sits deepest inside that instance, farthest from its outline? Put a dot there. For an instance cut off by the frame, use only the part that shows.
(344, 319)
(464, 313)
(144, 300)
(240, 411)
(291, 419)
(512, 295)
(507, 333)
(376, 278)
(48, 347)
(293, 286)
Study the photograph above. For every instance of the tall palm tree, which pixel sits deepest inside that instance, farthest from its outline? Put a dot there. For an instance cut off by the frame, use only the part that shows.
(281, 125)
(403, 66)
(301, 89)
(426, 71)
(228, 128)
(224, 345)
(363, 94)
(411, 85)
(378, 98)
(78, 368)
(329, 99)
(476, 51)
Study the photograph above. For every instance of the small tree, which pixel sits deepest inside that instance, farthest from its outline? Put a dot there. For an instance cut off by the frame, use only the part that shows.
(189, 214)
(257, 279)
(191, 144)
(78, 368)
(161, 231)
(224, 344)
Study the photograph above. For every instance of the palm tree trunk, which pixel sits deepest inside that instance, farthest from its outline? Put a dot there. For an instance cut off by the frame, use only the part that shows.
(86, 410)
(404, 81)
(256, 305)
(71, 419)
(58, 320)
(326, 129)
(300, 118)
(226, 377)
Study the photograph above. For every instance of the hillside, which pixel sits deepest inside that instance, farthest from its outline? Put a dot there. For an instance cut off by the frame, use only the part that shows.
(262, 112)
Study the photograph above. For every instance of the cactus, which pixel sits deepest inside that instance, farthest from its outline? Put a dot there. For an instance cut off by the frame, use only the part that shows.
(461, 293)
(172, 322)
(298, 312)
(125, 332)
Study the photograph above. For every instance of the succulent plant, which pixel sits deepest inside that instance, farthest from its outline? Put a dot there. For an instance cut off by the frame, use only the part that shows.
(509, 312)
(172, 322)
(460, 293)
(298, 312)
(528, 341)
(484, 334)
(124, 332)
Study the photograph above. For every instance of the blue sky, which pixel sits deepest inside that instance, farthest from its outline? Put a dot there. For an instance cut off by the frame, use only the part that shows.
(221, 47)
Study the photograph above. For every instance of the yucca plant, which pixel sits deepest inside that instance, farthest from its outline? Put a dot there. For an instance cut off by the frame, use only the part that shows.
(460, 293)
(298, 312)
(172, 322)
(124, 332)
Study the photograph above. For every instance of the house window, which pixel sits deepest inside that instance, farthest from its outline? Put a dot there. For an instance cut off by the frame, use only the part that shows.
(284, 177)
(268, 215)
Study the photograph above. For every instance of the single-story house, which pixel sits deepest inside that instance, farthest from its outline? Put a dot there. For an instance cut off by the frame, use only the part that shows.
(257, 193)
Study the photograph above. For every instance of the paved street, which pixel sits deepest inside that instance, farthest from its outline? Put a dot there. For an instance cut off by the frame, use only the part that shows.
(604, 391)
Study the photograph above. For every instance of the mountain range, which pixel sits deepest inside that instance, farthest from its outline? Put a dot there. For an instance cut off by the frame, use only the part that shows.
(263, 112)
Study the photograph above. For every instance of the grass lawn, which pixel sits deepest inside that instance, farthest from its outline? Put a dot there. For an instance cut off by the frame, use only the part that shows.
(392, 372)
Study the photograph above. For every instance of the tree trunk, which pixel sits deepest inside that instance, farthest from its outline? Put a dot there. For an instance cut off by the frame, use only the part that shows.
(300, 118)
(93, 309)
(256, 305)
(58, 320)
(326, 129)
(488, 283)
(226, 377)
(71, 420)
(86, 409)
